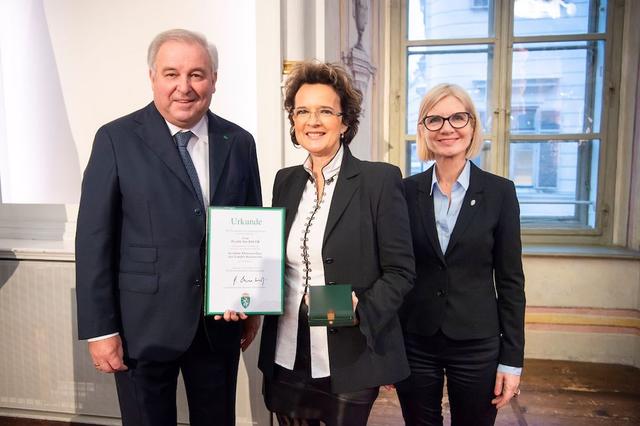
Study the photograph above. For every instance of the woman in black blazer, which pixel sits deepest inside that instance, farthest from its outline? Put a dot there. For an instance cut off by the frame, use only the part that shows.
(346, 223)
(464, 318)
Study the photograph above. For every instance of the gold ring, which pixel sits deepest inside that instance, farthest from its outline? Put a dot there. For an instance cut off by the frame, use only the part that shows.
(96, 365)
(515, 395)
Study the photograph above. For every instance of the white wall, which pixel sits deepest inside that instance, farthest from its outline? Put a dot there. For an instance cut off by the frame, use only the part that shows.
(39, 163)
(100, 49)
(71, 65)
(583, 308)
(96, 59)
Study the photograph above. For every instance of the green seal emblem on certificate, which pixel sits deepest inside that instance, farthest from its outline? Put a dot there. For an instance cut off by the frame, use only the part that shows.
(245, 300)
(245, 260)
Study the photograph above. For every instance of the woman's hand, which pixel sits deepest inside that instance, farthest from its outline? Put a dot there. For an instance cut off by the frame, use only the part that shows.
(507, 387)
(354, 302)
(231, 316)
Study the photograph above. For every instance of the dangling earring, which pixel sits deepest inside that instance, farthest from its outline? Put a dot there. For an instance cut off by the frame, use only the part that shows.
(292, 133)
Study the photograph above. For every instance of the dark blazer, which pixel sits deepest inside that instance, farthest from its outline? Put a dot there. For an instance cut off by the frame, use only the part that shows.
(141, 231)
(367, 244)
(456, 291)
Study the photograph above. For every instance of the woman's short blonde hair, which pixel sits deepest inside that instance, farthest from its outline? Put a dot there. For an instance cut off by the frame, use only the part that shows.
(435, 95)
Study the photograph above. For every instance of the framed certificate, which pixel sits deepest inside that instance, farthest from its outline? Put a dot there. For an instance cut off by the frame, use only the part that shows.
(245, 260)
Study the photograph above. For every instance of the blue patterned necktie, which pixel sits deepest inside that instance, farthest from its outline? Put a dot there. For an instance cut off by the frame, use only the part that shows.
(182, 139)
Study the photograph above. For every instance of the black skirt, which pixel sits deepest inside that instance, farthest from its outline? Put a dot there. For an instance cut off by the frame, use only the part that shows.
(294, 394)
(291, 395)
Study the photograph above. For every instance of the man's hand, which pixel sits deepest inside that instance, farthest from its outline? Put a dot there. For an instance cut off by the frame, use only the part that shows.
(250, 328)
(505, 389)
(107, 354)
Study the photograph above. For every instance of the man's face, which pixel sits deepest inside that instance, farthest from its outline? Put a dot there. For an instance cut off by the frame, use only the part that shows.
(182, 83)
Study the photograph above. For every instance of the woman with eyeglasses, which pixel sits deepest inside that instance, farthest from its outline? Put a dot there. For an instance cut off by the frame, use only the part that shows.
(464, 317)
(346, 223)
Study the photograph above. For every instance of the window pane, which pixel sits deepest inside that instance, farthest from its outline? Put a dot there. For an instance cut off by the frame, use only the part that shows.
(545, 17)
(556, 181)
(415, 166)
(467, 66)
(557, 87)
(445, 19)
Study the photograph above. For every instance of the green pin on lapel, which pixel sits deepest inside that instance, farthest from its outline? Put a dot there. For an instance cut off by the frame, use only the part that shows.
(225, 137)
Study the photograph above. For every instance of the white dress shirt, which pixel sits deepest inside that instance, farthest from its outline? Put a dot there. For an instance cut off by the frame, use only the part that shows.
(305, 236)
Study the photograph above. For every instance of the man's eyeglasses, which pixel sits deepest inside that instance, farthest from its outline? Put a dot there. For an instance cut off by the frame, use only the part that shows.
(457, 120)
(324, 114)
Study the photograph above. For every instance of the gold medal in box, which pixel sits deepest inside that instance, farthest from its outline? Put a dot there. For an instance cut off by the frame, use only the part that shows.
(331, 306)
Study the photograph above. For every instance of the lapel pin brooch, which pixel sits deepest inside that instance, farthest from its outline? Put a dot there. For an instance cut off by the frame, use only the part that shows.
(473, 203)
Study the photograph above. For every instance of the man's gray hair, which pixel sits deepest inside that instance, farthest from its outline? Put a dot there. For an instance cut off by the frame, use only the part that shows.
(184, 36)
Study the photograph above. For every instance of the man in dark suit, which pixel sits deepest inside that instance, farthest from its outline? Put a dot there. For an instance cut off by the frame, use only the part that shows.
(140, 242)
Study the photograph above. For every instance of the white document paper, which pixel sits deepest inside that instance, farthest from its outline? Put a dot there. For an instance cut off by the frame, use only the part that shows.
(245, 260)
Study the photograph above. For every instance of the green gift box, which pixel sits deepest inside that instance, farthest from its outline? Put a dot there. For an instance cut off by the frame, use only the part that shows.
(331, 306)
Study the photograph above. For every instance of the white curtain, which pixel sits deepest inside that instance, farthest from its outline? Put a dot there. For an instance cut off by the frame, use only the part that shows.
(38, 157)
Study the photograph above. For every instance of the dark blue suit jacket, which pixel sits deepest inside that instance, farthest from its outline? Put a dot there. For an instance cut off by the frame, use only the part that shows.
(476, 288)
(141, 232)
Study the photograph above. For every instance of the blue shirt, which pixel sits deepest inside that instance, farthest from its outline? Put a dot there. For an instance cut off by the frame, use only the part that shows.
(446, 212)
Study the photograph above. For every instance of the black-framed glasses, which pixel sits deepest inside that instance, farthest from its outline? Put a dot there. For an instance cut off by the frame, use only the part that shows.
(457, 120)
(303, 114)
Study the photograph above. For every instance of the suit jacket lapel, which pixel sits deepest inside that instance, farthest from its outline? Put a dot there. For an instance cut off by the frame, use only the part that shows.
(154, 132)
(219, 147)
(427, 213)
(470, 204)
(291, 196)
(346, 186)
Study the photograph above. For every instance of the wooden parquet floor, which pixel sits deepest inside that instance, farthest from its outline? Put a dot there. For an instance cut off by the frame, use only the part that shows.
(554, 393)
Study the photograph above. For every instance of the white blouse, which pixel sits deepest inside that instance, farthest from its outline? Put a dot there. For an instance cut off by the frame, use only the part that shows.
(304, 267)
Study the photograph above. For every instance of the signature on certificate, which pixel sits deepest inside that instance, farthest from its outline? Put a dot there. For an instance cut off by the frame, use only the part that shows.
(246, 280)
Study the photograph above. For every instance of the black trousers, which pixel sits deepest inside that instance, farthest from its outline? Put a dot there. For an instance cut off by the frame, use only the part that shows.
(147, 391)
(470, 368)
